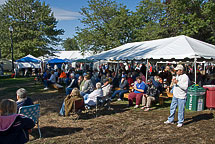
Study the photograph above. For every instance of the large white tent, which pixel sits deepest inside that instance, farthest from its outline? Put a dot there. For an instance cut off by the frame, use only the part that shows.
(179, 47)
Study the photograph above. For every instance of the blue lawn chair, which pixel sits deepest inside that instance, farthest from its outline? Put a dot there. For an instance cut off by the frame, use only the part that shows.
(33, 112)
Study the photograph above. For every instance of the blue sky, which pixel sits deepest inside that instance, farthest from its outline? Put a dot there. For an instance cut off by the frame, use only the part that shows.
(67, 13)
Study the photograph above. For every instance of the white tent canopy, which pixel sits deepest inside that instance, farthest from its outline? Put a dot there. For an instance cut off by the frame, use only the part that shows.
(179, 47)
(67, 55)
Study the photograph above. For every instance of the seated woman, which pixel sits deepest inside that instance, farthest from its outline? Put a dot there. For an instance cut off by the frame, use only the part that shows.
(90, 99)
(13, 127)
(69, 101)
(139, 90)
(87, 86)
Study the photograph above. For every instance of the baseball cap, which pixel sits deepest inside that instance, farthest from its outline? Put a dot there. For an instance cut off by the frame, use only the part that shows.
(179, 67)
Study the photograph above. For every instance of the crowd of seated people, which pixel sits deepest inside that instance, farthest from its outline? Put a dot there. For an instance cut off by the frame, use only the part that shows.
(123, 78)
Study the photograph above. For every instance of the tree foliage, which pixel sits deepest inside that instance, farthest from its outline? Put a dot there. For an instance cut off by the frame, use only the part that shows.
(34, 28)
(70, 44)
(109, 24)
(148, 15)
(195, 18)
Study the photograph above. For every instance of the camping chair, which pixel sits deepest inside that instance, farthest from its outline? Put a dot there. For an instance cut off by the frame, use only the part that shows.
(33, 112)
(77, 108)
(102, 102)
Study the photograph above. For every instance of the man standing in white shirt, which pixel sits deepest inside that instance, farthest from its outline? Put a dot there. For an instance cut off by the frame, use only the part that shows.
(179, 96)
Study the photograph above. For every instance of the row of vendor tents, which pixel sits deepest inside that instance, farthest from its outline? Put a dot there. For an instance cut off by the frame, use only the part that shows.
(173, 48)
(58, 58)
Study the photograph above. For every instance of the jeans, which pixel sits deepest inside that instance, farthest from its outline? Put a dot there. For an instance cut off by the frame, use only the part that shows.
(181, 106)
(120, 92)
(67, 81)
(62, 110)
(46, 83)
(82, 93)
(68, 90)
(86, 96)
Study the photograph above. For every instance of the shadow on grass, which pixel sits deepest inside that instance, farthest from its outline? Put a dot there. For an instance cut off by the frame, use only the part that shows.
(116, 108)
(198, 118)
(50, 131)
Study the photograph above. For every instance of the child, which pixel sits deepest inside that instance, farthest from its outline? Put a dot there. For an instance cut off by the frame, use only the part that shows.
(13, 127)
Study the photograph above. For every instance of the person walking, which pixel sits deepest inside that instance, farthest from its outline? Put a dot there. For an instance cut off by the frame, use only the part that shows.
(179, 96)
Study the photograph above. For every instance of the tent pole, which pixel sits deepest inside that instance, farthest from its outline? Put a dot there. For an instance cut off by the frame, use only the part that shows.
(156, 66)
(147, 68)
(204, 68)
(195, 68)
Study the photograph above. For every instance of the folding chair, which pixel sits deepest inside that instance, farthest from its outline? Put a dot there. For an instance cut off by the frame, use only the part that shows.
(102, 102)
(33, 112)
(77, 108)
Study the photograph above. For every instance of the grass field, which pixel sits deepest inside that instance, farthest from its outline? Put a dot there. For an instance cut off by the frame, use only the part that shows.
(118, 125)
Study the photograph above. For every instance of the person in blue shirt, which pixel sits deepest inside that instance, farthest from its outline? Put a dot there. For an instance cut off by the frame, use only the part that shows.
(139, 90)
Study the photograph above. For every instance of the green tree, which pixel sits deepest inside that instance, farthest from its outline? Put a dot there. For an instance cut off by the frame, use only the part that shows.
(34, 28)
(148, 15)
(193, 18)
(107, 25)
(70, 44)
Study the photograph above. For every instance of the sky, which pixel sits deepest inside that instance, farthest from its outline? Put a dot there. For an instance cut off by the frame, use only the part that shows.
(67, 13)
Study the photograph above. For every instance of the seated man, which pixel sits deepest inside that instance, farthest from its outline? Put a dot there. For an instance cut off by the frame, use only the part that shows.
(22, 99)
(73, 84)
(90, 99)
(52, 80)
(151, 95)
(139, 90)
(124, 86)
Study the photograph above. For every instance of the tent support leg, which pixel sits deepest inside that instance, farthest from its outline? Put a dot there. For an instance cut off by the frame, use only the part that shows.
(195, 68)
(147, 69)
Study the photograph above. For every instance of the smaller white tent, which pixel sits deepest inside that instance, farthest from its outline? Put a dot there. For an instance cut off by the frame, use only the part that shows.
(67, 55)
(28, 61)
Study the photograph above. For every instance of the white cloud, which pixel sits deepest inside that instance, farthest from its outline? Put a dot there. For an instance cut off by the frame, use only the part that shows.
(2, 2)
(62, 14)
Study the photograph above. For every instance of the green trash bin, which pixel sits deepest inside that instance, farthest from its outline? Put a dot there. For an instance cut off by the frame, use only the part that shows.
(195, 98)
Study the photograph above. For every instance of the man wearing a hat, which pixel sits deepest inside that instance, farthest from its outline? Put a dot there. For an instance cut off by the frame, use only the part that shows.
(179, 96)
